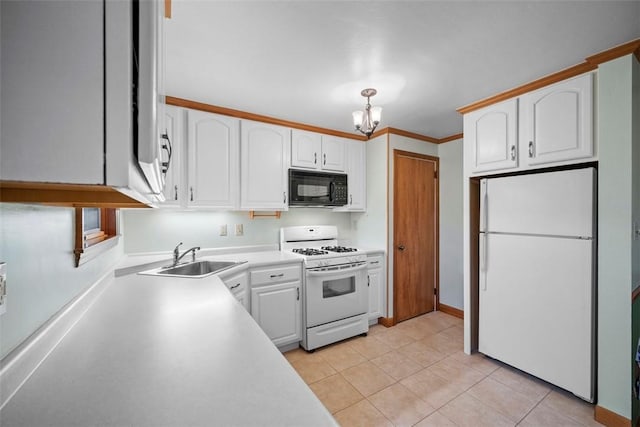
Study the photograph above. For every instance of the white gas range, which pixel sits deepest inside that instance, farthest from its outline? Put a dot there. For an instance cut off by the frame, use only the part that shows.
(335, 291)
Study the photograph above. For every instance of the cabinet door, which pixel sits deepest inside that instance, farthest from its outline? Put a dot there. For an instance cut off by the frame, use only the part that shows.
(491, 134)
(213, 160)
(357, 177)
(305, 149)
(174, 189)
(333, 153)
(52, 93)
(376, 282)
(558, 122)
(265, 164)
(276, 308)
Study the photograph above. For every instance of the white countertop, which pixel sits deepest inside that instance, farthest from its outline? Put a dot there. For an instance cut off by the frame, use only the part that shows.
(158, 351)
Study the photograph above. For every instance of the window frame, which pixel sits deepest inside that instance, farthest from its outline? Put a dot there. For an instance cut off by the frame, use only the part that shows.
(91, 243)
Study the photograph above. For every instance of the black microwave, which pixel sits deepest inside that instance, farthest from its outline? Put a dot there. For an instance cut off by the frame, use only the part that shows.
(312, 188)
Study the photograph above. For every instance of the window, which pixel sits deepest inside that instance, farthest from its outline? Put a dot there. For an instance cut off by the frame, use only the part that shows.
(96, 231)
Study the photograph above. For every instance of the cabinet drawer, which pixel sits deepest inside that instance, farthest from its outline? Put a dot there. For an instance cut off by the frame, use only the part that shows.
(375, 261)
(266, 276)
(237, 282)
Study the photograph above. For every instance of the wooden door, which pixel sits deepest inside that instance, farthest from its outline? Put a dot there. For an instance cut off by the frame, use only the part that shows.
(415, 237)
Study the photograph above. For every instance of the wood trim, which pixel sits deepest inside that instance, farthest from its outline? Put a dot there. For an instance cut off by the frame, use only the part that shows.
(451, 138)
(451, 310)
(387, 322)
(167, 9)
(185, 103)
(65, 195)
(589, 64)
(615, 52)
(195, 105)
(610, 418)
(528, 87)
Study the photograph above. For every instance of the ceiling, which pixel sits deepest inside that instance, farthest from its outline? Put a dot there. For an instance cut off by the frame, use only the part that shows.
(307, 61)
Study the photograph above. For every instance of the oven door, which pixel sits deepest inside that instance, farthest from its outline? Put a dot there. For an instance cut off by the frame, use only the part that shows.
(336, 292)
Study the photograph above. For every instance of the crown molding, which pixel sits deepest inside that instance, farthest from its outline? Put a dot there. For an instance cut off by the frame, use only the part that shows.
(590, 63)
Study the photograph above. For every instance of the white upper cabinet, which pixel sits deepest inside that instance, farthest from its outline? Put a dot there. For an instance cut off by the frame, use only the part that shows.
(174, 189)
(306, 149)
(356, 177)
(311, 150)
(333, 153)
(213, 160)
(492, 135)
(265, 163)
(557, 122)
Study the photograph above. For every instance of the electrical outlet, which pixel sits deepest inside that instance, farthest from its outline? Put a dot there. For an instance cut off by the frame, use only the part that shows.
(239, 230)
(3, 287)
(223, 230)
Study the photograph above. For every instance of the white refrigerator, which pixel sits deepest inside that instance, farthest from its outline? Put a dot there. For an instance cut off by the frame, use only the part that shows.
(536, 279)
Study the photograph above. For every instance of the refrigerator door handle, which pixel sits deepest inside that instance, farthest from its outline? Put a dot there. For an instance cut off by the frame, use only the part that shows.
(483, 261)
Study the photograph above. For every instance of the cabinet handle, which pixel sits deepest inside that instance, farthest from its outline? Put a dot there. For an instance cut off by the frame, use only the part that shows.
(175, 194)
(284, 197)
(350, 199)
(191, 189)
(325, 159)
(513, 152)
(374, 262)
(273, 276)
(530, 148)
(234, 286)
(315, 158)
(368, 280)
(297, 294)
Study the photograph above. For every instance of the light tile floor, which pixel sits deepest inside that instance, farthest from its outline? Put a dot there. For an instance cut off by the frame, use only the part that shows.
(415, 373)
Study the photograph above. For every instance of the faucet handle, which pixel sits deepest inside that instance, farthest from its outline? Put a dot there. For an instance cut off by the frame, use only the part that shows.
(177, 246)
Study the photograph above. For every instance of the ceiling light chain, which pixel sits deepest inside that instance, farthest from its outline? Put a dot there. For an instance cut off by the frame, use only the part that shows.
(366, 121)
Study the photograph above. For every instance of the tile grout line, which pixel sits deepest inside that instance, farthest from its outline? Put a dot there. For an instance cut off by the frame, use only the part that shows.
(534, 407)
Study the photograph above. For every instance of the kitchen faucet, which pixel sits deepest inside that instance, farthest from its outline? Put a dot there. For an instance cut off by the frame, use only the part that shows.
(177, 257)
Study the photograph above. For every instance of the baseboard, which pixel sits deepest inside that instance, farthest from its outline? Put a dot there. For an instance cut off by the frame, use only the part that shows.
(610, 418)
(386, 321)
(451, 310)
(19, 365)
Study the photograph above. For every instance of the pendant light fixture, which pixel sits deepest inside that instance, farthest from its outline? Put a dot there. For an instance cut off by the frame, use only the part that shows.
(367, 120)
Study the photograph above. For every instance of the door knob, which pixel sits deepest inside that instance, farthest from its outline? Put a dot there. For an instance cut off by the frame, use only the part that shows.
(401, 247)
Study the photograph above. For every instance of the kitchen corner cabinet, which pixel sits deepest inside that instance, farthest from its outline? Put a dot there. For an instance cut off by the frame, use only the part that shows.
(265, 164)
(174, 189)
(311, 150)
(557, 122)
(356, 177)
(492, 135)
(238, 285)
(377, 285)
(276, 302)
(213, 158)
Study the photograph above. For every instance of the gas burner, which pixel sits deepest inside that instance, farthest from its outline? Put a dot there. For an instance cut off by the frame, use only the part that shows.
(309, 251)
(338, 249)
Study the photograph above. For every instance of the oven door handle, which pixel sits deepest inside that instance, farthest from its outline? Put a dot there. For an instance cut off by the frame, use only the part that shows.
(323, 271)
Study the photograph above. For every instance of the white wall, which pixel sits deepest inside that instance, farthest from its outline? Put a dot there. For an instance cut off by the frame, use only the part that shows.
(615, 245)
(37, 244)
(451, 236)
(160, 230)
(370, 227)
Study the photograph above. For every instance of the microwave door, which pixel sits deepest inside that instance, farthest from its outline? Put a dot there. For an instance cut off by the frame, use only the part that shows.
(313, 192)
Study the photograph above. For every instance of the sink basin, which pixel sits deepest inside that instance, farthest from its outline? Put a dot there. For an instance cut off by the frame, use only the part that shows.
(194, 269)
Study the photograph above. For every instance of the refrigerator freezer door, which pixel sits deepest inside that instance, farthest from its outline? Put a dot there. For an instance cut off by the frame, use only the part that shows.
(551, 203)
(537, 308)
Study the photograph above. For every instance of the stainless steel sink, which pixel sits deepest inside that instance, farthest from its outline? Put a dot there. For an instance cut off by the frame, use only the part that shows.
(194, 269)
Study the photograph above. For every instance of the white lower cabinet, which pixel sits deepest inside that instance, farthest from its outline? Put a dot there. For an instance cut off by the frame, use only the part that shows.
(276, 302)
(377, 285)
(238, 284)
